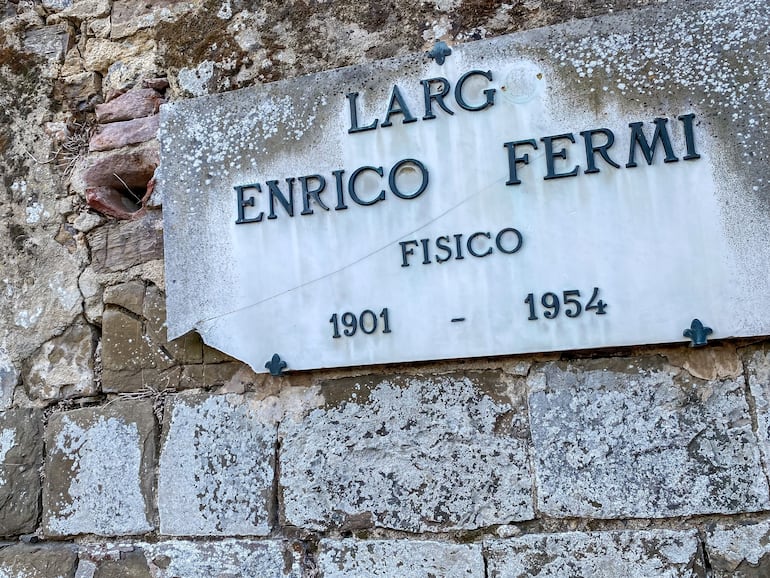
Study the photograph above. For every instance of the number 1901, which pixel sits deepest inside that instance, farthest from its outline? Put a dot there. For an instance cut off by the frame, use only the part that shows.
(569, 303)
(367, 322)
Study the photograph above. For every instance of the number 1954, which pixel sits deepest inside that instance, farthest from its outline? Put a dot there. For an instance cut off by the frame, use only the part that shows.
(569, 303)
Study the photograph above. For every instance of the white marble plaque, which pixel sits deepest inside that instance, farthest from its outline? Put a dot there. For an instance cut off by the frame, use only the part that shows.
(599, 184)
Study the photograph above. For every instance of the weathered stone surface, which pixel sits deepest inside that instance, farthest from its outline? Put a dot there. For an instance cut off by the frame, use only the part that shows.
(9, 379)
(120, 246)
(129, 296)
(224, 558)
(122, 344)
(399, 559)
(411, 453)
(216, 467)
(21, 455)
(114, 203)
(128, 16)
(100, 53)
(758, 369)
(99, 470)
(132, 168)
(82, 9)
(739, 552)
(63, 367)
(137, 103)
(127, 132)
(649, 554)
(628, 437)
(123, 565)
(80, 91)
(38, 561)
(50, 42)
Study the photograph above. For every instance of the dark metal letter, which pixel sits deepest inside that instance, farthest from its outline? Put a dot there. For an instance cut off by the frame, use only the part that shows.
(392, 179)
(396, 98)
(306, 193)
(550, 155)
(689, 138)
(275, 193)
(648, 149)
(352, 96)
(438, 97)
(489, 92)
(243, 203)
(352, 186)
(592, 149)
(513, 160)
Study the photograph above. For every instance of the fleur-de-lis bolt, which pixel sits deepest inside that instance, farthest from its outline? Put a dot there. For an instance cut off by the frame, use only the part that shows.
(439, 52)
(698, 333)
(276, 365)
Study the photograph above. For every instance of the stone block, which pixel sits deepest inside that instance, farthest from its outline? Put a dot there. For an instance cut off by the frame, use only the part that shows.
(133, 168)
(129, 296)
(38, 561)
(223, 558)
(63, 367)
(100, 470)
(128, 17)
(21, 455)
(127, 132)
(758, 369)
(80, 91)
(216, 467)
(186, 349)
(9, 379)
(195, 376)
(399, 559)
(137, 103)
(50, 42)
(122, 345)
(420, 453)
(618, 438)
(120, 246)
(739, 552)
(121, 564)
(649, 554)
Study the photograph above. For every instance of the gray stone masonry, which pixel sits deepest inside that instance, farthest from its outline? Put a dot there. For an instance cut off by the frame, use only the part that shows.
(399, 559)
(739, 552)
(21, 455)
(758, 370)
(100, 470)
(185, 559)
(623, 437)
(422, 453)
(216, 467)
(37, 561)
(642, 554)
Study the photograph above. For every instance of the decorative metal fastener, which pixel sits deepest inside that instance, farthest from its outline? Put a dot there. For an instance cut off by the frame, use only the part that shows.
(698, 333)
(276, 365)
(440, 51)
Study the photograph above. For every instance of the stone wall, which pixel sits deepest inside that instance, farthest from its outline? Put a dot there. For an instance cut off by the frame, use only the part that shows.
(123, 454)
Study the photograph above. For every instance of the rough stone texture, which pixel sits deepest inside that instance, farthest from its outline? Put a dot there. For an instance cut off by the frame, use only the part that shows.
(120, 246)
(410, 453)
(758, 371)
(126, 132)
(21, 455)
(739, 552)
(63, 367)
(649, 554)
(216, 467)
(137, 103)
(119, 564)
(42, 561)
(9, 379)
(626, 437)
(51, 42)
(99, 470)
(137, 355)
(180, 559)
(399, 559)
(132, 168)
(128, 17)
